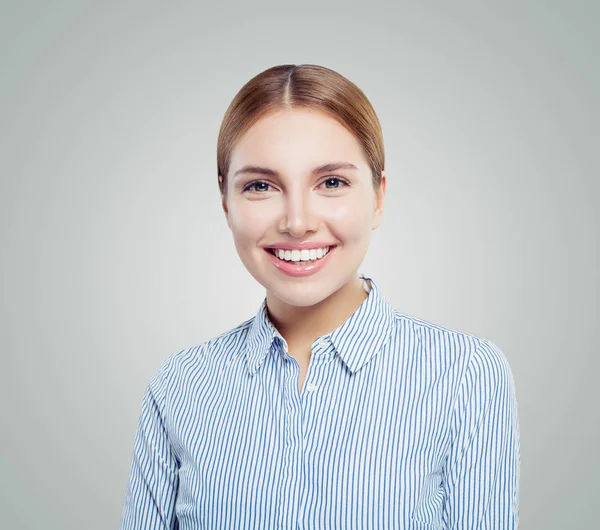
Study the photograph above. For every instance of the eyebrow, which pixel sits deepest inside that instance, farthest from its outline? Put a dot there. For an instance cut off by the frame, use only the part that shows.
(332, 166)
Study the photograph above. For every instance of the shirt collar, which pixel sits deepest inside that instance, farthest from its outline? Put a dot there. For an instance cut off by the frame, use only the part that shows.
(356, 340)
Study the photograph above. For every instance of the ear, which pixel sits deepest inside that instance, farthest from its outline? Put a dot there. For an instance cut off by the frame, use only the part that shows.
(224, 203)
(224, 206)
(379, 197)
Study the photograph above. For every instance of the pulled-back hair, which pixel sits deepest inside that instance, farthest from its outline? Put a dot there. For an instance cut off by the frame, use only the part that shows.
(306, 85)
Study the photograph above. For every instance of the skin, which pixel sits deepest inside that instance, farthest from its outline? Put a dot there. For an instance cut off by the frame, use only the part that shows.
(296, 206)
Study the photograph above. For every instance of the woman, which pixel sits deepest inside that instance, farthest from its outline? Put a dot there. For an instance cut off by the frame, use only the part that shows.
(328, 408)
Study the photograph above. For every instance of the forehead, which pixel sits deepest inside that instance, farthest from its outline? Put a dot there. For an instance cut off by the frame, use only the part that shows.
(297, 139)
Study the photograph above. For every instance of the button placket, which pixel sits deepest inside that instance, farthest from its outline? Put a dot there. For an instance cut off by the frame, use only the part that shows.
(294, 443)
(309, 402)
(323, 344)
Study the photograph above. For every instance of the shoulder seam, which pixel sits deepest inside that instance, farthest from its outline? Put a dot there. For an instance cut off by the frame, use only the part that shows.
(422, 323)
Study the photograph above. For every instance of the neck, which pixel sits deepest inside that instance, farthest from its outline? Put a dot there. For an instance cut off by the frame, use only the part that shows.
(305, 324)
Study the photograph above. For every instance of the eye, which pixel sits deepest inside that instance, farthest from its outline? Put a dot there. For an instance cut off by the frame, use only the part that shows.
(251, 186)
(333, 180)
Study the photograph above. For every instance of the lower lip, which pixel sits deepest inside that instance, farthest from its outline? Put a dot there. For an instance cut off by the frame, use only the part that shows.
(289, 268)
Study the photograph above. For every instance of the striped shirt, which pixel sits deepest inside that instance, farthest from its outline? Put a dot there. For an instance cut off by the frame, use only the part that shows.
(400, 424)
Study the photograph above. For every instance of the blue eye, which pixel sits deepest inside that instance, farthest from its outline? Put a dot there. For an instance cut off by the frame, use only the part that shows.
(335, 179)
(250, 185)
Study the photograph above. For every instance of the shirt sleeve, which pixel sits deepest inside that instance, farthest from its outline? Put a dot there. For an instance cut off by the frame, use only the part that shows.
(153, 477)
(481, 473)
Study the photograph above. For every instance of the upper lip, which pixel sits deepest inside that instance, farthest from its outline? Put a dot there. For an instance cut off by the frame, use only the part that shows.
(305, 245)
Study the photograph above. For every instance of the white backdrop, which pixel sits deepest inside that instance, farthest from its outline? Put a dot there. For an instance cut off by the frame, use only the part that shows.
(115, 251)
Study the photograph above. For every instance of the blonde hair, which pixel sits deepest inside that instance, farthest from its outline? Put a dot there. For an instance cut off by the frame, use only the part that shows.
(306, 85)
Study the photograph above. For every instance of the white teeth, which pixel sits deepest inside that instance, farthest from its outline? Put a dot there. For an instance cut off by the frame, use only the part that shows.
(301, 255)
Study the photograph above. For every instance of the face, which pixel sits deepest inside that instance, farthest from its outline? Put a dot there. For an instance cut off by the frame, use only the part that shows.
(286, 201)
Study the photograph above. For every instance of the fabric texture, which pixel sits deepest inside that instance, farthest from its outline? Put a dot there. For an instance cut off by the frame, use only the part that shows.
(400, 424)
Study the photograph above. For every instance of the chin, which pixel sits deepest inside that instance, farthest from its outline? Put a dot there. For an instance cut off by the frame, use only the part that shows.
(301, 299)
(299, 292)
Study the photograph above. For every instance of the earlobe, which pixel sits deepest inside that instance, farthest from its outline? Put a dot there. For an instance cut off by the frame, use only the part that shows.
(224, 206)
(376, 220)
(377, 216)
(379, 197)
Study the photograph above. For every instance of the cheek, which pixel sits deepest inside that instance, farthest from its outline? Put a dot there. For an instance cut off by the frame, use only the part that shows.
(350, 220)
(247, 225)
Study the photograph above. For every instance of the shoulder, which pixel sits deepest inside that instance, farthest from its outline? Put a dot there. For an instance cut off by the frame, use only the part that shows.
(435, 338)
(463, 350)
(204, 356)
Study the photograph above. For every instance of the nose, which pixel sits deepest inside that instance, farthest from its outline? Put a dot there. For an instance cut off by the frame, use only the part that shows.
(298, 217)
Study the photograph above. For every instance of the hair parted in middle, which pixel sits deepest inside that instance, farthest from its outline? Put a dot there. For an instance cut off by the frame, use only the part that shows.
(311, 86)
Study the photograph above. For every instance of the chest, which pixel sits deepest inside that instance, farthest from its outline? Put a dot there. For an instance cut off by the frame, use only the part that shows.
(360, 451)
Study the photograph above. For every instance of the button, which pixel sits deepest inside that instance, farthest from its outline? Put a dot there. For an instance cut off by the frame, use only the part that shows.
(310, 387)
(323, 342)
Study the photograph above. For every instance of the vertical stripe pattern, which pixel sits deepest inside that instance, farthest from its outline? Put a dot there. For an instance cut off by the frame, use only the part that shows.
(400, 424)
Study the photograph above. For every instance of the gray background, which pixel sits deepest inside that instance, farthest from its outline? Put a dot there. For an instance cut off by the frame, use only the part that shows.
(116, 253)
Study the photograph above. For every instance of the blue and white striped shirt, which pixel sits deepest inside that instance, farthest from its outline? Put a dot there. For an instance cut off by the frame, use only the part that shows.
(400, 424)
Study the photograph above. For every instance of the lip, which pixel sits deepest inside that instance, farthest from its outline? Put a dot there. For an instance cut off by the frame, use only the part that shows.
(305, 245)
(290, 269)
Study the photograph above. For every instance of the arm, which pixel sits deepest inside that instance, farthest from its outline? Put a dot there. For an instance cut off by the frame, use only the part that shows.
(481, 473)
(153, 481)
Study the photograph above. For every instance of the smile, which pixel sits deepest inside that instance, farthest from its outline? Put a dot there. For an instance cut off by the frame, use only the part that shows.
(300, 263)
(300, 256)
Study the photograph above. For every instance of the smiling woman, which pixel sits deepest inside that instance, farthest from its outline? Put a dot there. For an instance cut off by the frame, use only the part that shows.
(316, 191)
(328, 408)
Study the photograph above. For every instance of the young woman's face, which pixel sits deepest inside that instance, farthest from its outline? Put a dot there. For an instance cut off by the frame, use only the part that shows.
(286, 203)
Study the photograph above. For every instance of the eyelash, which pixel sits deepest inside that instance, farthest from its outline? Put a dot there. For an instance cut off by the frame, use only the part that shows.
(250, 184)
